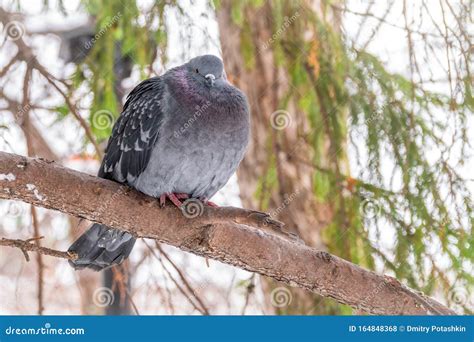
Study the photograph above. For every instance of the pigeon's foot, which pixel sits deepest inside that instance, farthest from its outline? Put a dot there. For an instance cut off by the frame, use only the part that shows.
(180, 195)
(207, 202)
(174, 198)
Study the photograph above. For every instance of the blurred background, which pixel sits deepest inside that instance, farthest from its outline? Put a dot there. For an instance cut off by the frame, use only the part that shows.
(362, 133)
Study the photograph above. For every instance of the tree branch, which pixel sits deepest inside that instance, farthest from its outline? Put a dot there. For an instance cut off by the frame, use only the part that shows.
(27, 246)
(239, 237)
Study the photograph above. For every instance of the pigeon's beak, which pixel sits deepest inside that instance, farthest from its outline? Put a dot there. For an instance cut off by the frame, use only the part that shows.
(210, 79)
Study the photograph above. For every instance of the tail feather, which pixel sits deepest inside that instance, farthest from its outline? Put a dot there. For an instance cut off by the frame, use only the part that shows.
(101, 247)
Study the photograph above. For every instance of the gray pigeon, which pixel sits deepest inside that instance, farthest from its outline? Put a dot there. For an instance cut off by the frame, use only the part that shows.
(180, 135)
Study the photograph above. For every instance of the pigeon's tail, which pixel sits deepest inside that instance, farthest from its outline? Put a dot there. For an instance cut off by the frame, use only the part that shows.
(101, 247)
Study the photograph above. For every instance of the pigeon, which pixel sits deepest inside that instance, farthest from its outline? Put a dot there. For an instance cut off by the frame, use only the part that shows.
(180, 135)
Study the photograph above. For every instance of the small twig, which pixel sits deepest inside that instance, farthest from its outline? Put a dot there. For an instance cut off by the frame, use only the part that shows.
(183, 278)
(120, 278)
(249, 290)
(180, 288)
(27, 246)
(26, 54)
(39, 262)
(9, 65)
(51, 80)
(34, 218)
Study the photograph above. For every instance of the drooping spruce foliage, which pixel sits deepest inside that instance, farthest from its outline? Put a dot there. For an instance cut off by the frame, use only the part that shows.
(407, 139)
(122, 34)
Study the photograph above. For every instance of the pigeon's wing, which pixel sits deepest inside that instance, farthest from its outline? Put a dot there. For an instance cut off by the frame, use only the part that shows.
(135, 133)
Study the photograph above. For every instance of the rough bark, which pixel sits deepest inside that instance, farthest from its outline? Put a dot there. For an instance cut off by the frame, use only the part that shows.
(234, 236)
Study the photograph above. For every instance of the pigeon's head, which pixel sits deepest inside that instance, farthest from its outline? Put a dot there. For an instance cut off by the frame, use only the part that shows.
(207, 69)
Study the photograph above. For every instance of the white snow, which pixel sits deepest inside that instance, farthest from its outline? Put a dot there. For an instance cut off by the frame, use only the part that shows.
(32, 187)
(8, 177)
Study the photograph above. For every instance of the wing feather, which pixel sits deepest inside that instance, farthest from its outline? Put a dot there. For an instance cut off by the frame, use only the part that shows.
(135, 133)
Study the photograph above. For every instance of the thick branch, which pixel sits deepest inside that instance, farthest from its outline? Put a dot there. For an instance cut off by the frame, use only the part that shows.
(234, 236)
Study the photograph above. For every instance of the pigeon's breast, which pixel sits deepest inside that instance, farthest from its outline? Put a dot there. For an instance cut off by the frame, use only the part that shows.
(199, 148)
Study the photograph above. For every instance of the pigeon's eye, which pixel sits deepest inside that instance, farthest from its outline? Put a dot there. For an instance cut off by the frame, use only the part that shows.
(197, 71)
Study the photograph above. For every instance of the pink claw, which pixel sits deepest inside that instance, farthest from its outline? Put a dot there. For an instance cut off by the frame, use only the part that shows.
(209, 203)
(180, 195)
(174, 198)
